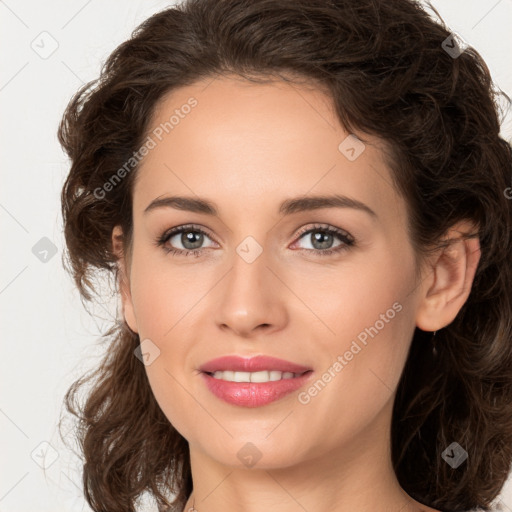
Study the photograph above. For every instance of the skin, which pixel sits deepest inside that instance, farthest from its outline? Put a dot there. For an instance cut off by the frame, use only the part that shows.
(247, 147)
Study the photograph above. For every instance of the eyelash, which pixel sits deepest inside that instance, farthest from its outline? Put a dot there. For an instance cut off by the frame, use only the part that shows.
(345, 237)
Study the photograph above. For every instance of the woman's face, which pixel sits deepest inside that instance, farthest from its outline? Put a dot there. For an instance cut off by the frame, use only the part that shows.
(263, 281)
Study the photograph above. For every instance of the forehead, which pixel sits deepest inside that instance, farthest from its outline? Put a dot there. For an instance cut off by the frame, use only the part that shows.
(257, 143)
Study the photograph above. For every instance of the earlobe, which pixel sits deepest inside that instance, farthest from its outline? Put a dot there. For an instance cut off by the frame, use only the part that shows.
(123, 278)
(453, 272)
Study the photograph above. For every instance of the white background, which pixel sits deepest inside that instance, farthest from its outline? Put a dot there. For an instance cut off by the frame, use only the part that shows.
(47, 337)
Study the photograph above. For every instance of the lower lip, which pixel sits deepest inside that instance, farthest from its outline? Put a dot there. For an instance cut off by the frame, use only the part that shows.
(254, 394)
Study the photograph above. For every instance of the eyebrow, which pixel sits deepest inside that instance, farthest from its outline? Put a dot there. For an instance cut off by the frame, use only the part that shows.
(287, 207)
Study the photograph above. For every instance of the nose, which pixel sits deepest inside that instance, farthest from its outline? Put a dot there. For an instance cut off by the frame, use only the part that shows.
(252, 298)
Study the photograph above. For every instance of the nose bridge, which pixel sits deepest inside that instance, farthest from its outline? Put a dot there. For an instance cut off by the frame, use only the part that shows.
(249, 297)
(249, 276)
(250, 266)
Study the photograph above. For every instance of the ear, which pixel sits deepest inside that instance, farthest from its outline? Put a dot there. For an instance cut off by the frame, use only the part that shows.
(450, 278)
(124, 279)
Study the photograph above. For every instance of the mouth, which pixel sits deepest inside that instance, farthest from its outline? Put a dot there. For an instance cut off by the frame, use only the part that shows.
(254, 389)
(255, 381)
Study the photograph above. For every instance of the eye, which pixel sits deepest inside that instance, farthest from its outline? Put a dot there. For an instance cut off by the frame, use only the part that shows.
(190, 237)
(321, 239)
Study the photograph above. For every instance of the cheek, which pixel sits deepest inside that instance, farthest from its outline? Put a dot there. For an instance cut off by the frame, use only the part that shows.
(367, 312)
(164, 298)
(163, 294)
(169, 390)
(370, 361)
(359, 295)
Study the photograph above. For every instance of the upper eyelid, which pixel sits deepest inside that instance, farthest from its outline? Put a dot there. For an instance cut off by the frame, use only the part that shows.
(327, 227)
(186, 227)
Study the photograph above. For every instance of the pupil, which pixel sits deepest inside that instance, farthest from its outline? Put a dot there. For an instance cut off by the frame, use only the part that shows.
(188, 237)
(318, 236)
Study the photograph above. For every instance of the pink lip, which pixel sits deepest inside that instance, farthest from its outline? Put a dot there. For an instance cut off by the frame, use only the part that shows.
(253, 364)
(253, 394)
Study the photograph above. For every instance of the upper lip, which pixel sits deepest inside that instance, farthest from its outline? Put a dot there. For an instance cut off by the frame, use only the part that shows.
(252, 364)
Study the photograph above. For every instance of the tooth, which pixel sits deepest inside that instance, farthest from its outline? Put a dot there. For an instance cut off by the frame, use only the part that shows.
(259, 376)
(228, 375)
(275, 375)
(242, 377)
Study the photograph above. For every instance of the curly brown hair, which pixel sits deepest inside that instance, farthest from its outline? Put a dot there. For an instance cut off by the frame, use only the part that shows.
(388, 73)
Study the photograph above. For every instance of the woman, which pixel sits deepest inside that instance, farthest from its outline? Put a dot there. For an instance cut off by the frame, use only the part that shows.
(304, 206)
